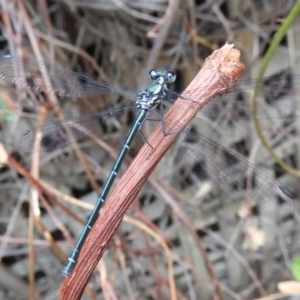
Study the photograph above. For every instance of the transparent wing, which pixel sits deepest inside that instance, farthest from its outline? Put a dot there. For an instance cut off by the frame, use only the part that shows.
(277, 101)
(43, 77)
(277, 92)
(56, 134)
(214, 177)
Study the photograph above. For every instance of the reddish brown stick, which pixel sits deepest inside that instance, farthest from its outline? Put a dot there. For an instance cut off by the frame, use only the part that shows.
(219, 73)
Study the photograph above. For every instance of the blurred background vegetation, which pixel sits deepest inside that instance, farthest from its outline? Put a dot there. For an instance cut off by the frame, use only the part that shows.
(118, 42)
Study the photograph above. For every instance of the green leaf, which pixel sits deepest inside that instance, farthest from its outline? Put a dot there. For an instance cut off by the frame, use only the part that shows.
(296, 268)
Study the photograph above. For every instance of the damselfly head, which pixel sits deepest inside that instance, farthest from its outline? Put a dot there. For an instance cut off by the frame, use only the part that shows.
(168, 76)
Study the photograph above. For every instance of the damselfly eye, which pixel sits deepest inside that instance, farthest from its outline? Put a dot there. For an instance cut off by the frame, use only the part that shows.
(154, 74)
(171, 77)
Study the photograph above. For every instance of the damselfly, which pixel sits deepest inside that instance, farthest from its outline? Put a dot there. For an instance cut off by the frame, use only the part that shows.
(42, 77)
